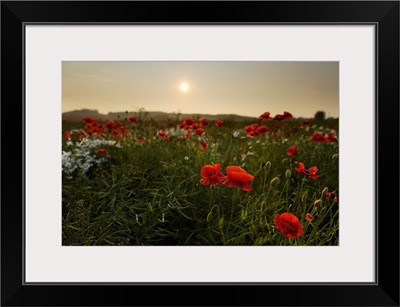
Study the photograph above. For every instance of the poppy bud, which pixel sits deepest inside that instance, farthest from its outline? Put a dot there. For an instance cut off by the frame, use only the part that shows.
(274, 182)
(309, 217)
(317, 203)
(267, 166)
(335, 156)
(324, 191)
(288, 174)
(328, 195)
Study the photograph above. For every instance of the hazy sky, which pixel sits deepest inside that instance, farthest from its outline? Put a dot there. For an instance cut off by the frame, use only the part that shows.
(221, 87)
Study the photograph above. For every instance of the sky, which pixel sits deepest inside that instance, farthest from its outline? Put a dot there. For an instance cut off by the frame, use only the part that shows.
(247, 88)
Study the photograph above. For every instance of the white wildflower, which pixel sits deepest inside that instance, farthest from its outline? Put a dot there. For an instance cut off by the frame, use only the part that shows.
(81, 157)
(236, 133)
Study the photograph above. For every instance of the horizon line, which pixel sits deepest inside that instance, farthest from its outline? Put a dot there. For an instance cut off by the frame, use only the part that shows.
(183, 113)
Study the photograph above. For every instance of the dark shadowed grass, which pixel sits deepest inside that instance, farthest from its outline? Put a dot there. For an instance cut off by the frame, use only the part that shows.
(149, 193)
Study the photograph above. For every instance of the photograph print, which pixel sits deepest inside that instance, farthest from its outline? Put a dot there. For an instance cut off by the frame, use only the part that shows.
(202, 153)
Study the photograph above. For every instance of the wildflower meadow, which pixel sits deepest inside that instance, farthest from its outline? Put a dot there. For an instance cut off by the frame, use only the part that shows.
(130, 181)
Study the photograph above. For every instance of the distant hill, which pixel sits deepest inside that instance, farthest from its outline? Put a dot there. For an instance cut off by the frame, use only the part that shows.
(77, 115)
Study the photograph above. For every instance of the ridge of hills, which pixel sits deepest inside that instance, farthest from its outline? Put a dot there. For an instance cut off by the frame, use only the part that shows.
(77, 115)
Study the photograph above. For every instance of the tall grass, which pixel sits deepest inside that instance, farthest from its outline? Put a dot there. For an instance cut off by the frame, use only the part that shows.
(149, 193)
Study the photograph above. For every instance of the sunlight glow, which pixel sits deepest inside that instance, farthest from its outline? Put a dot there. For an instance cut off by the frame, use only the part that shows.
(184, 87)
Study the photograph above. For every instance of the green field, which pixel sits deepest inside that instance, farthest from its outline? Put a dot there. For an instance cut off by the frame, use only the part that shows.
(134, 182)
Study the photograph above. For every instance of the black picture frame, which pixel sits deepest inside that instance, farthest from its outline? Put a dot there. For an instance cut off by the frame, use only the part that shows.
(383, 14)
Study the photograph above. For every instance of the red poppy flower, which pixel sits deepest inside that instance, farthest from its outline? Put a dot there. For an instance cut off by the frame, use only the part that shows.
(306, 122)
(88, 119)
(289, 225)
(309, 217)
(164, 135)
(237, 176)
(210, 174)
(199, 131)
(331, 138)
(133, 119)
(204, 145)
(67, 135)
(203, 122)
(318, 137)
(291, 151)
(219, 123)
(264, 116)
(249, 128)
(279, 117)
(262, 129)
(311, 172)
(287, 115)
(186, 123)
(252, 133)
(88, 126)
(102, 151)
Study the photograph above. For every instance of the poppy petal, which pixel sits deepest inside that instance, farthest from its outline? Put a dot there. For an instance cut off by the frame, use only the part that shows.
(240, 176)
(204, 181)
(300, 168)
(228, 182)
(313, 170)
(245, 186)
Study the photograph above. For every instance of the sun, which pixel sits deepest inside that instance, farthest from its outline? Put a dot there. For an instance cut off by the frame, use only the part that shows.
(184, 87)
